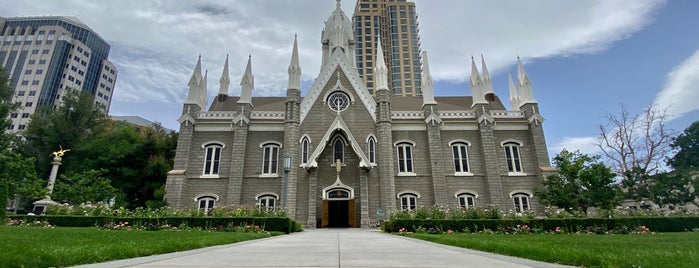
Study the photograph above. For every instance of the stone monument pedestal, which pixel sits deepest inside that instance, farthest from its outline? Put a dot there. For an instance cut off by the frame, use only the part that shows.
(40, 206)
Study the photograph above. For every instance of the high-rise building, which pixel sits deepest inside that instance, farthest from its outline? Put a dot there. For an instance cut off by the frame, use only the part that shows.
(44, 56)
(395, 22)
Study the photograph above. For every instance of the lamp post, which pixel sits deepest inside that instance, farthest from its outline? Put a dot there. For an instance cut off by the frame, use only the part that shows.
(287, 168)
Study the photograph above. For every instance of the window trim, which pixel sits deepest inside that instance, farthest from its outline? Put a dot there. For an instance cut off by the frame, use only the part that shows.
(466, 144)
(507, 145)
(466, 194)
(517, 201)
(371, 154)
(409, 163)
(344, 142)
(207, 197)
(410, 195)
(267, 196)
(305, 149)
(273, 170)
(206, 146)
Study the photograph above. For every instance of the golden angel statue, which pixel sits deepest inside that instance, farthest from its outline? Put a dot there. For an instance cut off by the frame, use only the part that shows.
(60, 152)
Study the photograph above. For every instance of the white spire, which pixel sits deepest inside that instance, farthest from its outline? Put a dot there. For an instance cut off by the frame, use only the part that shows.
(487, 81)
(202, 95)
(294, 68)
(225, 80)
(338, 35)
(380, 70)
(514, 94)
(476, 84)
(194, 84)
(525, 86)
(247, 83)
(427, 83)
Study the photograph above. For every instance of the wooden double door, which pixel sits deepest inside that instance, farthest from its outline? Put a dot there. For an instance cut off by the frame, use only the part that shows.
(338, 214)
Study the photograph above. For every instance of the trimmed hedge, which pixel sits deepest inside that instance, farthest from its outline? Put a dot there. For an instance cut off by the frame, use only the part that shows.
(656, 224)
(285, 225)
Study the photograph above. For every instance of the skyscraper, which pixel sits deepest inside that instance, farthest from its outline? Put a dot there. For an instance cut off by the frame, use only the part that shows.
(395, 21)
(44, 56)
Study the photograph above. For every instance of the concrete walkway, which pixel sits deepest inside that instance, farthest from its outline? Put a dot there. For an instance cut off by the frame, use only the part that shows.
(329, 248)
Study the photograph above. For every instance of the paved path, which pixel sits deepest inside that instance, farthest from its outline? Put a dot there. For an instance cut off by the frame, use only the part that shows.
(329, 248)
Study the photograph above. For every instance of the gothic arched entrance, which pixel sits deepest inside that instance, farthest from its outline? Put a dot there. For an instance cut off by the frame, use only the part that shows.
(338, 206)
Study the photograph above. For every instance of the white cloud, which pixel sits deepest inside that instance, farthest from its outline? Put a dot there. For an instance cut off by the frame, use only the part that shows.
(585, 145)
(680, 94)
(155, 43)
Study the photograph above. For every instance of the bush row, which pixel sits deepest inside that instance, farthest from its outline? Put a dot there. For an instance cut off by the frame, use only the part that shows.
(656, 224)
(278, 224)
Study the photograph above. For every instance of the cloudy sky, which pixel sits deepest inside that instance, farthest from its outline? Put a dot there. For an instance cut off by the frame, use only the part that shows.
(584, 58)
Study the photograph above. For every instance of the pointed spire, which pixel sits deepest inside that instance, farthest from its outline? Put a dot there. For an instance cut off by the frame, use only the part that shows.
(247, 83)
(203, 99)
(525, 86)
(380, 70)
(294, 67)
(195, 84)
(225, 80)
(514, 94)
(427, 83)
(488, 93)
(476, 84)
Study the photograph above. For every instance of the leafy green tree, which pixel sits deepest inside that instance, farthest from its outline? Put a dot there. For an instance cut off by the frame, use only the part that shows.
(72, 123)
(20, 176)
(580, 183)
(6, 108)
(87, 186)
(687, 147)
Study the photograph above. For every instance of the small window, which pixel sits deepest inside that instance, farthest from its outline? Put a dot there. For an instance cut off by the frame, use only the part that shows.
(521, 202)
(305, 148)
(268, 202)
(338, 150)
(408, 201)
(206, 204)
(371, 148)
(212, 158)
(466, 200)
(514, 163)
(270, 158)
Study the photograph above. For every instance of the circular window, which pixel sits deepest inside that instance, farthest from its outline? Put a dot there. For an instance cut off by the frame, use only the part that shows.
(338, 101)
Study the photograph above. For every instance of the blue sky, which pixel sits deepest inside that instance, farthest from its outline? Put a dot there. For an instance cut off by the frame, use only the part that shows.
(584, 58)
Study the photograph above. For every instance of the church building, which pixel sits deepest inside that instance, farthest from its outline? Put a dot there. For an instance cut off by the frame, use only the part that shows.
(341, 156)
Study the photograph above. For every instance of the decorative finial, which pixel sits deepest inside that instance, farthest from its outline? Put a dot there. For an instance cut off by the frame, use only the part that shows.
(60, 152)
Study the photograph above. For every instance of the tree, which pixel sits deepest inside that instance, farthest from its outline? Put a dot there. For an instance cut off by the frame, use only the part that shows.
(580, 183)
(687, 147)
(633, 143)
(6, 108)
(87, 186)
(72, 123)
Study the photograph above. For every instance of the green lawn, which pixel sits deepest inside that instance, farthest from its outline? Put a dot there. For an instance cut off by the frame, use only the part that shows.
(658, 250)
(58, 247)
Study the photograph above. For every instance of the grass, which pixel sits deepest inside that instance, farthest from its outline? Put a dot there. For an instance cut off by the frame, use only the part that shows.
(657, 250)
(59, 247)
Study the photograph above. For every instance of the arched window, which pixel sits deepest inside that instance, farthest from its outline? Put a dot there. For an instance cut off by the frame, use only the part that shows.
(521, 202)
(405, 158)
(212, 158)
(466, 200)
(267, 201)
(371, 148)
(514, 163)
(305, 147)
(206, 203)
(408, 201)
(460, 153)
(270, 158)
(338, 150)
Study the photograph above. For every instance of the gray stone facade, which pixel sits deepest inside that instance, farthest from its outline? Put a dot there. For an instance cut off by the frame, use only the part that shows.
(412, 163)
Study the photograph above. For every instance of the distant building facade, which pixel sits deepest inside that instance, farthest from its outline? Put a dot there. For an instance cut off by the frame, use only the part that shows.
(44, 56)
(341, 156)
(395, 22)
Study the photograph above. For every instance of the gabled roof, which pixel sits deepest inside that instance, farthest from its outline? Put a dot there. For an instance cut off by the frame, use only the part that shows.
(338, 124)
(338, 60)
